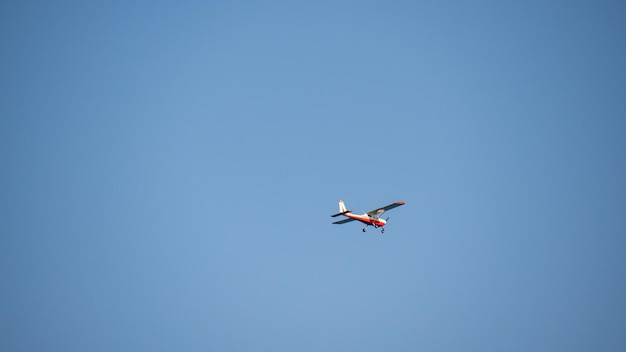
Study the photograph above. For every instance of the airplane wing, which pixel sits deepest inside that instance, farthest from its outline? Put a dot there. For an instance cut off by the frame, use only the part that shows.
(377, 212)
(343, 221)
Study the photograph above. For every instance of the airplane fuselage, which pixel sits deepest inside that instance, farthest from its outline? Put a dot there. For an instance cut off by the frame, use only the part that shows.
(376, 222)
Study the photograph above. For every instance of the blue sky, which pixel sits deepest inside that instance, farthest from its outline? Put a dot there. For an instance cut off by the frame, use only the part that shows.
(169, 168)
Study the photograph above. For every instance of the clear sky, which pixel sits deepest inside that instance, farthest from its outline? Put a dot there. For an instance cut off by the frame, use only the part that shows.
(169, 168)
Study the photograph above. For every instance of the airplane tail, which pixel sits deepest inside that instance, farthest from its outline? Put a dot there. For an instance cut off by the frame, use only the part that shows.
(342, 209)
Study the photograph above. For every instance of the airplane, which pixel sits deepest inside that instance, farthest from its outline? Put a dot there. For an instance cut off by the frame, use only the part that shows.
(370, 218)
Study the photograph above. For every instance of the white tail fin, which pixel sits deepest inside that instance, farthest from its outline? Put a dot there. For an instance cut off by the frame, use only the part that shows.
(342, 207)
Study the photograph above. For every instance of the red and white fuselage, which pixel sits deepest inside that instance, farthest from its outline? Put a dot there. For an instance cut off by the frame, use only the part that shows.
(367, 220)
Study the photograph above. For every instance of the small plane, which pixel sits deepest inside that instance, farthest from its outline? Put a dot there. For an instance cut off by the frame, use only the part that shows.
(370, 218)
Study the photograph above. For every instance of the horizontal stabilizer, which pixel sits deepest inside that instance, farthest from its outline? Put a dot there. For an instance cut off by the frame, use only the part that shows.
(343, 221)
(342, 213)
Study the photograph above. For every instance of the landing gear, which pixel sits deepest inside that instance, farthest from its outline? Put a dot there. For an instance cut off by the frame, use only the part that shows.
(364, 229)
(382, 230)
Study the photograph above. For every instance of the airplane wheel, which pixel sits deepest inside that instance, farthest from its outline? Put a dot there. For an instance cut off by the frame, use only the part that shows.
(382, 230)
(364, 229)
